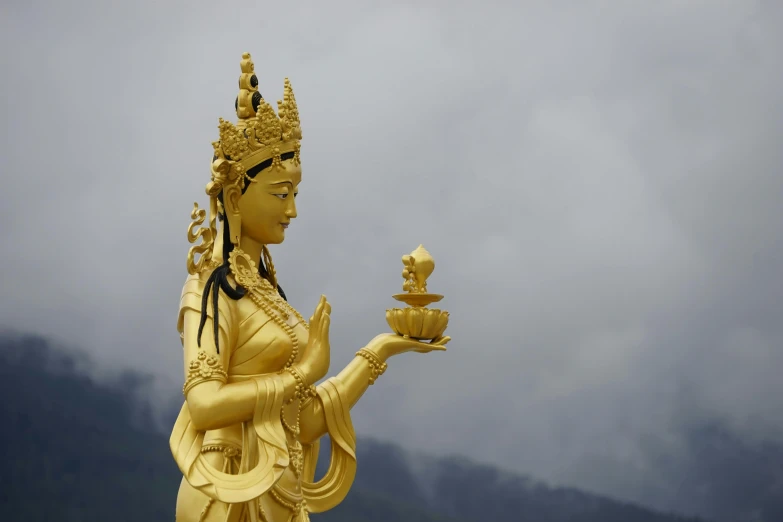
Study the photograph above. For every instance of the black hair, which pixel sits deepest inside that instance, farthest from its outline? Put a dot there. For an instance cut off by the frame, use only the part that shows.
(218, 280)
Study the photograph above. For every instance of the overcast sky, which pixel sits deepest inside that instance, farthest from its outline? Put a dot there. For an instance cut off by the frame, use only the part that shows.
(600, 184)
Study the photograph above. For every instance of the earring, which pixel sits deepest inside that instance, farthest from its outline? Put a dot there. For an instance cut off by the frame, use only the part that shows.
(243, 269)
(236, 230)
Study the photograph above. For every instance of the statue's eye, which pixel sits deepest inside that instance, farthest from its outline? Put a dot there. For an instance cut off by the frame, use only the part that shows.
(281, 196)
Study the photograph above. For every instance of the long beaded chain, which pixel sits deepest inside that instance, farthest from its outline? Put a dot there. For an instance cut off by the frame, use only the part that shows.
(267, 298)
(297, 507)
(278, 318)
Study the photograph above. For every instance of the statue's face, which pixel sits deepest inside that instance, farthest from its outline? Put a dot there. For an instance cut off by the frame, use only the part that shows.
(268, 205)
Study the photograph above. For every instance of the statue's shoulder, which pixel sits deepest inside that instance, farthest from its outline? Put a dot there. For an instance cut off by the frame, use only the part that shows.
(192, 297)
(195, 283)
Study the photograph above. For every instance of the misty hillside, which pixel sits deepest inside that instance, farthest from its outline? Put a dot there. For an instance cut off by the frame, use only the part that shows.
(74, 450)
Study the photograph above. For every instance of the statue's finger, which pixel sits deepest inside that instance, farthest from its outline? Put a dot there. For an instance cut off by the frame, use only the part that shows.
(325, 326)
(319, 310)
(430, 348)
(441, 341)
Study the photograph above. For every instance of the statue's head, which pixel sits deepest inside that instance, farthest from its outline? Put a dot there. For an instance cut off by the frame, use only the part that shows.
(256, 172)
(256, 167)
(266, 207)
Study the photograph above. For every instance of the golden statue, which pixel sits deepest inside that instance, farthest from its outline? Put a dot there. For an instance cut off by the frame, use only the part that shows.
(247, 437)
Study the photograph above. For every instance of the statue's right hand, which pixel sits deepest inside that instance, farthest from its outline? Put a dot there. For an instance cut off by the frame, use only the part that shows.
(316, 355)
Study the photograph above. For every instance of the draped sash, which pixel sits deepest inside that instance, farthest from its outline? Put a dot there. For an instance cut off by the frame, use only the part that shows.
(264, 453)
(265, 456)
(334, 486)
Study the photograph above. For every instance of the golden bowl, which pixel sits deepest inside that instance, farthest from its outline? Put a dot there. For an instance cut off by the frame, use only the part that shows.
(418, 323)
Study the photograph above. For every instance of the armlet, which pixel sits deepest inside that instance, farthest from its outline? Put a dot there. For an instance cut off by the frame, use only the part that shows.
(204, 368)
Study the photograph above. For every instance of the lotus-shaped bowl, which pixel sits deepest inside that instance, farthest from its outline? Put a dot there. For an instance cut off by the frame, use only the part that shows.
(417, 322)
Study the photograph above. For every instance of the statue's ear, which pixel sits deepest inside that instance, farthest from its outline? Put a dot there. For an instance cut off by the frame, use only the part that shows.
(231, 195)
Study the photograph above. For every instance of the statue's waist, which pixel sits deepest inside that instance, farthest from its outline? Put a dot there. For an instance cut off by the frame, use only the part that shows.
(228, 441)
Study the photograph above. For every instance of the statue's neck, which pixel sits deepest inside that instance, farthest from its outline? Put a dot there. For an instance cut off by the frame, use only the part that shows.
(251, 248)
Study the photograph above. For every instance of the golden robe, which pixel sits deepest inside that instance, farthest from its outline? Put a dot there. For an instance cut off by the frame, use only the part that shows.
(243, 472)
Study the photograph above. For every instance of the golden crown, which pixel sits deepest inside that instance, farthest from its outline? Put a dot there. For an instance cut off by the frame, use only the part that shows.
(258, 135)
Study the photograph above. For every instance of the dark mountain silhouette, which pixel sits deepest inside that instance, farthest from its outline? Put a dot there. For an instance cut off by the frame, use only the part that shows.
(76, 450)
(727, 478)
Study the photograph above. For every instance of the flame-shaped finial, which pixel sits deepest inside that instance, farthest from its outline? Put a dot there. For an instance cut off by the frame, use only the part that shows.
(416, 321)
(425, 265)
(419, 266)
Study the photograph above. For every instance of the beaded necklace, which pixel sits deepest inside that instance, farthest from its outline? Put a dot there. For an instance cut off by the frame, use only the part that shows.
(266, 297)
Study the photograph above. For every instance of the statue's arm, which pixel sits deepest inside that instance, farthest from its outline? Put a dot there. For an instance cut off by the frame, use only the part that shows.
(356, 377)
(213, 403)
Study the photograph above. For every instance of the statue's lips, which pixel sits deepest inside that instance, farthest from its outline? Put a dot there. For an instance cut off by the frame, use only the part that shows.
(284, 225)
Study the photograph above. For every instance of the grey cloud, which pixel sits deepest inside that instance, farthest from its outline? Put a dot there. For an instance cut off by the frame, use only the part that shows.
(600, 188)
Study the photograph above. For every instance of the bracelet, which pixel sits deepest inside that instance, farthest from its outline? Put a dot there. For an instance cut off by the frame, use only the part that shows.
(377, 367)
(203, 368)
(302, 391)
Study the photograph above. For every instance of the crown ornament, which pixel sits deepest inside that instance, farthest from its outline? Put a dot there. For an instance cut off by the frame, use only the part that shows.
(259, 133)
(258, 136)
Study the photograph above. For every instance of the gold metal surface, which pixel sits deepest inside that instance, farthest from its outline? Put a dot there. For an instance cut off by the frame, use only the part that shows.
(416, 321)
(247, 437)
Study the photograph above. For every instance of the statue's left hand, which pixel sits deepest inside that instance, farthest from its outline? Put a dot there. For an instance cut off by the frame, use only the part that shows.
(389, 344)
